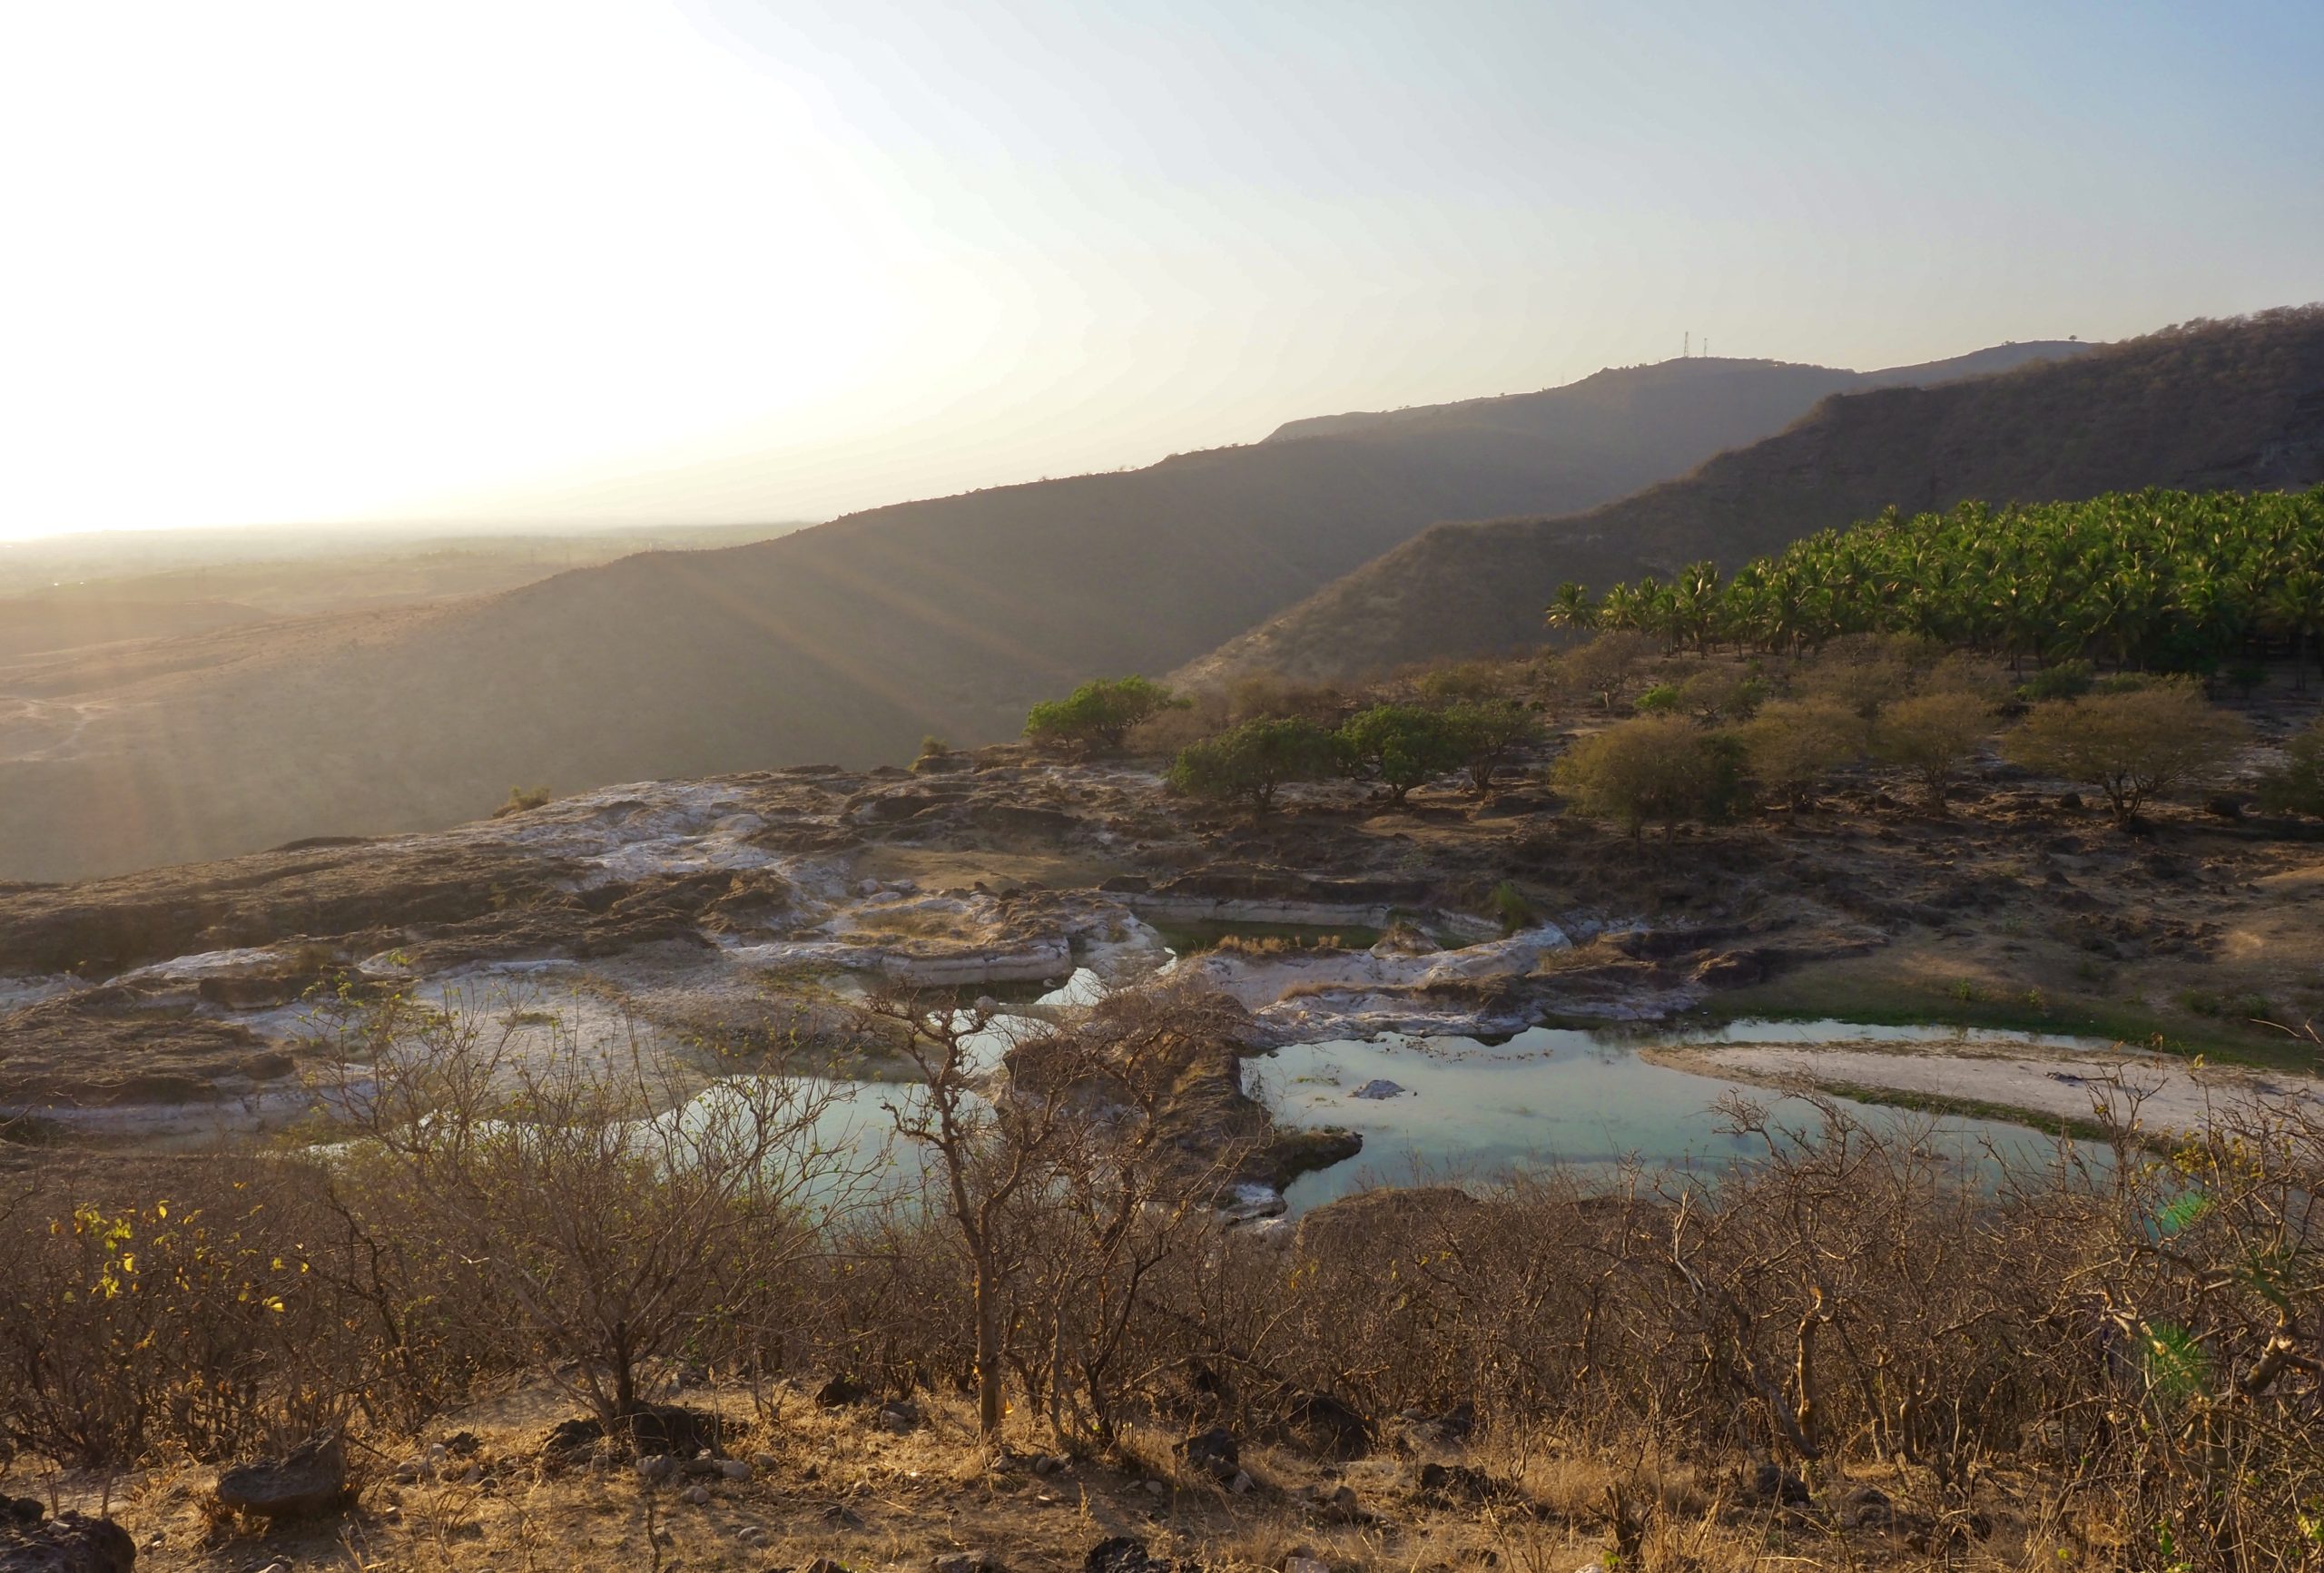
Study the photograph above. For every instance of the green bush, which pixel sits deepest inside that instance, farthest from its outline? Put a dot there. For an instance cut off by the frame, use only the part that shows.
(2063, 680)
(1485, 732)
(2297, 786)
(1251, 761)
(2135, 744)
(522, 800)
(1098, 716)
(1401, 746)
(1656, 770)
(1510, 907)
(1660, 700)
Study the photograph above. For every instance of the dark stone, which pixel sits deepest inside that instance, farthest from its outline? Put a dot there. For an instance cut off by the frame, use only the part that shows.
(841, 1391)
(581, 1434)
(1121, 1554)
(673, 1428)
(1214, 1452)
(1868, 1508)
(1462, 1483)
(309, 1480)
(1771, 1484)
(1331, 1426)
(1336, 1504)
(68, 1543)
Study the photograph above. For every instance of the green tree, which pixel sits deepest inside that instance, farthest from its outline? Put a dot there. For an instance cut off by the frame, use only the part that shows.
(1098, 715)
(1251, 761)
(2132, 743)
(1656, 770)
(1792, 744)
(1401, 746)
(1602, 666)
(1931, 735)
(2297, 787)
(1484, 732)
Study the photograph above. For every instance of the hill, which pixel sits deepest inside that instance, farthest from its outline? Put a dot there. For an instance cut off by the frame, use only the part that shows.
(846, 642)
(2224, 405)
(1624, 399)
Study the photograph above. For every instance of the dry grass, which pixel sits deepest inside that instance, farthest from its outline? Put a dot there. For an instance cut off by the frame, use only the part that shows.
(831, 1484)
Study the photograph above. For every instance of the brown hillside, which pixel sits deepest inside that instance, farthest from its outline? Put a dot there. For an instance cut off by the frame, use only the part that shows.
(843, 642)
(2229, 404)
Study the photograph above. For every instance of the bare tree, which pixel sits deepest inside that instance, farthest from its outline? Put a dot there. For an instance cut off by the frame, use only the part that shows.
(1126, 1203)
(1054, 1157)
(987, 1150)
(615, 1201)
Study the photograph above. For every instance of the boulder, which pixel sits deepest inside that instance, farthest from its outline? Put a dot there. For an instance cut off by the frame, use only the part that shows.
(1334, 1504)
(1461, 1483)
(968, 1562)
(1868, 1508)
(669, 1427)
(1456, 1424)
(841, 1391)
(1327, 1426)
(1215, 1452)
(68, 1543)
(1768, 1482)
(1121, 1554)
(309, 1480)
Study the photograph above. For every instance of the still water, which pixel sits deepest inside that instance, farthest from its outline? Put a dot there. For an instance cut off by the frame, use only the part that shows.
(1551, 1097)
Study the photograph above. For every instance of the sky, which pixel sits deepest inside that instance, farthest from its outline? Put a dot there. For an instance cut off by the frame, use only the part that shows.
(565, 260)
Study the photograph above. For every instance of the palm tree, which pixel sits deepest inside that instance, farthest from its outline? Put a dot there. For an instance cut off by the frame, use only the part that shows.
(2296, 602)
(1570, 607)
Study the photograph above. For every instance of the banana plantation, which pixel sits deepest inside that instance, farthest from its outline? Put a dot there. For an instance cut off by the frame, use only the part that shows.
(2159, 580)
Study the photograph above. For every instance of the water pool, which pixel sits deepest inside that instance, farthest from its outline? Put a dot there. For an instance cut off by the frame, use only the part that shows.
(1552, 1096)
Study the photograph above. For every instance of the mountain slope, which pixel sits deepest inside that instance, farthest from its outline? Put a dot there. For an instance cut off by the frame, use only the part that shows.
(2235, 404)
(843, 643)
(1624, 398)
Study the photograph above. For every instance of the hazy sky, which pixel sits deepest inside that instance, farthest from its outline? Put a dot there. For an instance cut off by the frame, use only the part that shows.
(339, 259)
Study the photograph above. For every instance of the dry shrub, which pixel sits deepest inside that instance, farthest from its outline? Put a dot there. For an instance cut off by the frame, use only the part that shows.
(1269, 696)
(212, 1306)
(2133, 1334)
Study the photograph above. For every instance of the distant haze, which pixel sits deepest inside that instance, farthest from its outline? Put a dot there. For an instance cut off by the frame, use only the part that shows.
(562, 260)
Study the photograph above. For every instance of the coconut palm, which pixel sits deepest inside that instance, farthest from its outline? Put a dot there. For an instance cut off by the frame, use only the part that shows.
(1571, 607)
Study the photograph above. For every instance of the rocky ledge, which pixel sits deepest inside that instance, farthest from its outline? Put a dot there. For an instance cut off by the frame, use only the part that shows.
(192, 997)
